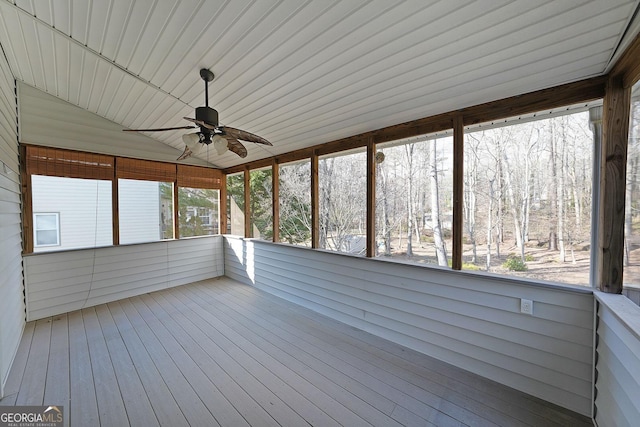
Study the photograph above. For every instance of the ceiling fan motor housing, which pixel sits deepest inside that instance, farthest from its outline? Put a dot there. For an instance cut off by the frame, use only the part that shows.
(207, 115)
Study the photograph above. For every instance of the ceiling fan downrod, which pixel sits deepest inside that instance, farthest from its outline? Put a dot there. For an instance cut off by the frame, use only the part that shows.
(207, 76)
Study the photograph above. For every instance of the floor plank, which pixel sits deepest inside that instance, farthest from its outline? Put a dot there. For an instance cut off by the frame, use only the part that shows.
(221, 353)
(56, 391)
(14, 381)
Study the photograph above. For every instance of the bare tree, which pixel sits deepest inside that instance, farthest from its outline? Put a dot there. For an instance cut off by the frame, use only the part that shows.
(441, 251)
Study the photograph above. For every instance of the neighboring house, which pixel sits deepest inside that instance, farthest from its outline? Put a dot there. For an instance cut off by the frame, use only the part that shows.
(70, 213)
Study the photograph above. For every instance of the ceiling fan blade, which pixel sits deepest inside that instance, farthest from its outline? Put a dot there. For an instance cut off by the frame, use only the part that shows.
(244, 135)
(186, 153)
(235, 146)
(200, 123)
(158, 129)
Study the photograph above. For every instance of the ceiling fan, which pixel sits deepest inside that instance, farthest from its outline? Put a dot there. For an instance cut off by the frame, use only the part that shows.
(223, 138)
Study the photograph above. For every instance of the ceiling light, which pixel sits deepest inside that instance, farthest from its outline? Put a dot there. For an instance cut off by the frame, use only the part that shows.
(191, 140)
(220, 144)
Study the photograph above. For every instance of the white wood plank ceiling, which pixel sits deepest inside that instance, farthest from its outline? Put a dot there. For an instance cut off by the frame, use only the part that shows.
(300, 73)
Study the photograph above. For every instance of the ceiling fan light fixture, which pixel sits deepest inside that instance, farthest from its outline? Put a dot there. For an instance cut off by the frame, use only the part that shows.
(220, 144)
(191, 140)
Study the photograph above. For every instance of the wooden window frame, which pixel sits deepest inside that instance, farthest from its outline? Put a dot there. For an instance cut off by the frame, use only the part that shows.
(51, 161)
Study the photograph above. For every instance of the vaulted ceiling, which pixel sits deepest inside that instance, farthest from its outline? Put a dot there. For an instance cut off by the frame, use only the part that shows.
(301, 73)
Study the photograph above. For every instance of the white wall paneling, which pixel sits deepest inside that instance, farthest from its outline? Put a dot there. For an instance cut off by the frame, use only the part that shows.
(469, 320)
(11, 288)
(59, 282)
(617, 400)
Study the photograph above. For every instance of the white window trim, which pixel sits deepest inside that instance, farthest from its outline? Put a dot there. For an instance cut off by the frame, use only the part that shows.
(35, 229)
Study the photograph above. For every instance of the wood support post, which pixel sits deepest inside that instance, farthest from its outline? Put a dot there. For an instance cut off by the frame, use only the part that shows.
(27, 207)
(315, 202)
(613, 175)
(371, 198)
(275, 197)
(247, 200)
(458, 192)
(223, 205)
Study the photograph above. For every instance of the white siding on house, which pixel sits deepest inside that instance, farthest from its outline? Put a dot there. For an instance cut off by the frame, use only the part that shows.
(59, 282)
(618, 363)
(139, 209)
(11, 288)
(84, 208)
(469, 320)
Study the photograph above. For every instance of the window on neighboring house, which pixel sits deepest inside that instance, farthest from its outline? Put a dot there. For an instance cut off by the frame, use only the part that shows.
(342, 183)
(527, 196)
(46, 229)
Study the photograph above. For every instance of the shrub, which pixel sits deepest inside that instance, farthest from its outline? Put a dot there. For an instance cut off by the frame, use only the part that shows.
(514, 263)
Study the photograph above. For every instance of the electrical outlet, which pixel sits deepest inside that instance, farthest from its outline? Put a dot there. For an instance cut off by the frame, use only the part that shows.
(526, 306)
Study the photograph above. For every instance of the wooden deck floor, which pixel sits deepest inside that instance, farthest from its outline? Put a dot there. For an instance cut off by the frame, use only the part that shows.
(222, 353)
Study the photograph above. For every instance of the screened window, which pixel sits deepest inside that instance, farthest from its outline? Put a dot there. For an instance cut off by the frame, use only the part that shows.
(145, 210)
(82, 209)
(46, 229)
(632, 204)
(414, 188)
(235, 204)
(527, 197)
(342, 202)
(295, 203)
(198, 211)
(261, 204)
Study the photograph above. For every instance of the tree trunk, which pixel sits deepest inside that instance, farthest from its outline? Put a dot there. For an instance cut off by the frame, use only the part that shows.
(553, 194)
(489, 224)
(409, 151)
(441, 252)
(513, 205)
(560, 193)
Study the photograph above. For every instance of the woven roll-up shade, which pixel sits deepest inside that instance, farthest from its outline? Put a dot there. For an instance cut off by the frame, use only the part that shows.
(199, 177)
(68, 164)
(145, 170)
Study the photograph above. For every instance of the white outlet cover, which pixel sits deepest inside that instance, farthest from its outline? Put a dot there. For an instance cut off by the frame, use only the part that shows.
(526, 306)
